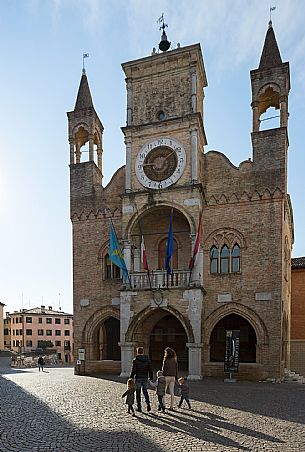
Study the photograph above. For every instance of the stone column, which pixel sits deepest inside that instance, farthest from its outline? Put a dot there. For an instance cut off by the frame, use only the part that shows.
(91, 147)
(136, 260)
(71, 151)
(127, 254)
(194, 361)
(193, 276)
(127, 348)
(99, 158)
(128, 165)
(194, 91)
(78, 153)
(194, 297)
(283, 112)
(255, 117)
(194, 313)
(194, 151)
(129, 103)
(127, 354)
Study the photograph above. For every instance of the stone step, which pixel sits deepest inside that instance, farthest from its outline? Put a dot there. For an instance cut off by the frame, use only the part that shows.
(293, 377)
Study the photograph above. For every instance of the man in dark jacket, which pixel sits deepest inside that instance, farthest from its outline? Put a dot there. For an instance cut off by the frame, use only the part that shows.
(141, 371)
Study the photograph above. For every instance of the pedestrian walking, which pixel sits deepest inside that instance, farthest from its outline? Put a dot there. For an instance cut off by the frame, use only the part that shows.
(141, 371)
(40, 363)
(129, 394)
(160, 385)
(184, 389)
(170, 372)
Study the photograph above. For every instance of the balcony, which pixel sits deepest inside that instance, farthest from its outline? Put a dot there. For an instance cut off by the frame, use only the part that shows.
(159, 279)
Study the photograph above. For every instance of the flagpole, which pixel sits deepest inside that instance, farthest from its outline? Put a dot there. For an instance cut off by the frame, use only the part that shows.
(194, 257)
(169, 248)
(142, 236)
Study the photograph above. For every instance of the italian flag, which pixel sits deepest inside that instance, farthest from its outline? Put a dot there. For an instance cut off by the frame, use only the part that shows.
(143, 255)
(196, 246)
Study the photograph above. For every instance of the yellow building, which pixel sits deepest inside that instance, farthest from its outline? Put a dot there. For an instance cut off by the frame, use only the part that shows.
(7, 332)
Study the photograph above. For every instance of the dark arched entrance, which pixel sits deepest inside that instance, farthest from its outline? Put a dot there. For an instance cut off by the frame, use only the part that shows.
(168, 332)
(111, 333)
(247, 351)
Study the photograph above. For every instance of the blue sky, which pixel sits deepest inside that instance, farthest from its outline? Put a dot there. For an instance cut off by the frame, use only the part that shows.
(41, 47)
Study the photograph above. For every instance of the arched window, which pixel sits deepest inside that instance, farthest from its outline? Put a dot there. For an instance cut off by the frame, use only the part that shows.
(269, 105)
(224, 259)
(235, 259)
(107, 267)
(214, 260)
(111, 271)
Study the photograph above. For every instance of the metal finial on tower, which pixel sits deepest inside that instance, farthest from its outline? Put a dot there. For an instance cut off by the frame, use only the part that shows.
(164, 44)
(85, 55)
(272, 8)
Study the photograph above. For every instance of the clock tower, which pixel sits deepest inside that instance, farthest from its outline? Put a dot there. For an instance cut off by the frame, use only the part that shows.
(165, 139)
(164, 134)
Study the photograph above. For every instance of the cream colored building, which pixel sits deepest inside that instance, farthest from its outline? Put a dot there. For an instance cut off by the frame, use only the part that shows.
(29, 327)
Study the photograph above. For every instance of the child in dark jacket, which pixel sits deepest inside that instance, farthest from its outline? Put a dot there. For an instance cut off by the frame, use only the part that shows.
(129, 394)
(160, 385)
(184, 389)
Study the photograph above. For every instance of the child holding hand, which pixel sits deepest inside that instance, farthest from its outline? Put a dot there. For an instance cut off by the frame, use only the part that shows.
(129, 394)
(160, 385)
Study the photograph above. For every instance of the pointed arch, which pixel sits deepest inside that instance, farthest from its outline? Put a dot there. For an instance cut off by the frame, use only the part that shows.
(90, 334)
(236, 308)
(139, 318)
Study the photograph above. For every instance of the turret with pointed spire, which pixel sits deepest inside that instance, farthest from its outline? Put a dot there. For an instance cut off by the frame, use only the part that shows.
(271, 56)
(270, 82)
(84, 99)
(270, 88)
(85, 126)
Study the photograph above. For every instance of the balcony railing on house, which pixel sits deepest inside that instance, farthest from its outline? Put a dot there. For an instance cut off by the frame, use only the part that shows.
(159, 279)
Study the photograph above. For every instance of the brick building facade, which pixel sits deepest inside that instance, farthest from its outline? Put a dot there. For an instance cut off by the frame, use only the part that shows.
(241, 278)
(298, 315)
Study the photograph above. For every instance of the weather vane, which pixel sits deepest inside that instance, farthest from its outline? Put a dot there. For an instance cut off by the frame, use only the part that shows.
(272, 8)
(161, 20)
(85, 55)
(164, 44)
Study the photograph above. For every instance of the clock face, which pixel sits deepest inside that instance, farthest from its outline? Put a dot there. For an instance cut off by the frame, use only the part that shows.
(160, 163)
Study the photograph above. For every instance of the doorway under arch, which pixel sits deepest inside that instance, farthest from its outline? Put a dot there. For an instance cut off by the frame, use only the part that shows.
(109, 338)
(248, 340)
(168, 332)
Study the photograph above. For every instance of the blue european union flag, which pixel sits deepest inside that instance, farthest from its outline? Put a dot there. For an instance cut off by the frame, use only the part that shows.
(116, 254)
(169, 246)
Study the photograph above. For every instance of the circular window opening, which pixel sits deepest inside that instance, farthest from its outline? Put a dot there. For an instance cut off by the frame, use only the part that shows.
(161, 115)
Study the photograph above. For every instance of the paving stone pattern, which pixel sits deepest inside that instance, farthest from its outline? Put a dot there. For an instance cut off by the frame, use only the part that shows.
(57, 411)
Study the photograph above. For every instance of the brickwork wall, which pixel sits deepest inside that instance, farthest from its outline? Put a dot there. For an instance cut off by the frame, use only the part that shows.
(245, 203)
(297, 360)
(91, 233)
(298, 304)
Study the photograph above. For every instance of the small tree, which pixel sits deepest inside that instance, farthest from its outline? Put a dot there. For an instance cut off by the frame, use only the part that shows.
(45, 344)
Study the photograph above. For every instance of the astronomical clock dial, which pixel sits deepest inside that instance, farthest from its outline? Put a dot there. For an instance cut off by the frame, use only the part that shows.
(160, 163)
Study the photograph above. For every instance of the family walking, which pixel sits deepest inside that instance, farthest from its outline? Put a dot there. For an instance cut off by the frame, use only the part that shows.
(141, 377)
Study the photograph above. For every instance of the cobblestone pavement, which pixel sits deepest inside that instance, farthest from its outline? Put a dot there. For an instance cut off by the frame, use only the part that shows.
(57, 411)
